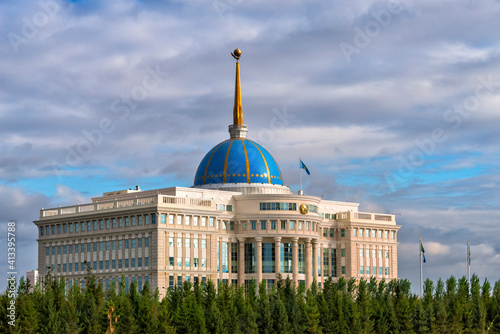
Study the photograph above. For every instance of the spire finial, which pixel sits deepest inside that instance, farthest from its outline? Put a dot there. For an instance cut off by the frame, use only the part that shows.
(238, 108)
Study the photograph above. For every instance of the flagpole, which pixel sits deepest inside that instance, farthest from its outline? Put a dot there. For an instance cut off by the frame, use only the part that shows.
(420, 252)
(300, 176)
(468, 262)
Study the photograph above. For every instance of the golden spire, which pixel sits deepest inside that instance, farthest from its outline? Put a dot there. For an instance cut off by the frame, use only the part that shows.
(238, 108)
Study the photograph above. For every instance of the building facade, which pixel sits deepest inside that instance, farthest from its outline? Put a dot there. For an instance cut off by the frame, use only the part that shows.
(237, 222)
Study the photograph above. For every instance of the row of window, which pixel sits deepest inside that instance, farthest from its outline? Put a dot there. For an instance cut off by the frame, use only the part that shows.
(366, 270)
(187, 220)
(95, 225)
(106, 282)
(101, 265)
(187, 262)
(98, 246)
(373, 232)
(301, 226)
(366, 252)
(187, 242)
(171, 281)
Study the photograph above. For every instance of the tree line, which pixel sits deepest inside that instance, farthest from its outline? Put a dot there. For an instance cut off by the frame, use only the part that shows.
(354, 306)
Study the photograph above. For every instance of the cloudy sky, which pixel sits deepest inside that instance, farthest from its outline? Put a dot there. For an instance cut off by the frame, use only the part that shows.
(390, 104)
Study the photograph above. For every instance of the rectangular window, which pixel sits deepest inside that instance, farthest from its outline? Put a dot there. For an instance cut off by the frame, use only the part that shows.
(203, 243)
(58, 229)
(203, 221)
(334, 262)
(229, 207)
(94, 265)
(386, 234)
(127, 221)
(367, 233)
(95, 246)
(361, 271)
(70, 267)
(179, 262)
(195, 243)
(380, 271)
(387, 270)
(254, 224)
(120, 244)
(393, 234)
(386, 253)
(234, 257)
(101, 246)
(140, 221)
(250, 259)
(342, 252)
(331, 233)
(380, 253)
(132, 243)
(224, 223)
(114, 222)
(188, 220)
(379, 234)
(139, 261)
(244, 226)
(47, 251)
(179, 242)
(262, 224)
(126, 263)
(162, 218)
(76, 266)
(374, 271)
(47, 231)
(342, 233)
(120, 263)
(292, 224)
(89, 247)
(368, 270)
(65, 228)
(373, 233)
(113, 264)
(203, 263)
(139, 243)
(195, 221)
(132, 262)
(65, 249)
(361, 252)
(188, 242)
(268, 258)
(114, 244)
(146, 242)
(120, 222)
(82, 225)
(300, 226)
(101, 265)
(127, 243)
(231, 226)
(374, 253)
(171, 261)
(101, 224)
(107, 223)
(283, 224)
(70, 248)
(367, 253)
(361, 232)
(273, 224)
(188, 262)
(146, 220)
(170, 242)
(212, 220)
(195, 262)
(107, 264)
(133, 221)
(325, 232)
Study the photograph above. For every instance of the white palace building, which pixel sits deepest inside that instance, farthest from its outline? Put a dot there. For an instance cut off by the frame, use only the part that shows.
(237, 222)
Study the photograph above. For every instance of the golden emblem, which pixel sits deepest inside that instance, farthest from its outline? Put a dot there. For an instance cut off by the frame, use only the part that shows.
(304, 209)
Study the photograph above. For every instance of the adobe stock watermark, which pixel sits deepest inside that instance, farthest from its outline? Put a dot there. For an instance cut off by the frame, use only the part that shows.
(278, 121)
(31, 25)
(363, 37)
(222, 8)
(454, 118)
(122, 108)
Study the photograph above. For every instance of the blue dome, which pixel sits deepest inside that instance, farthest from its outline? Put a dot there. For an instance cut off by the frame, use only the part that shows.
(238, 160)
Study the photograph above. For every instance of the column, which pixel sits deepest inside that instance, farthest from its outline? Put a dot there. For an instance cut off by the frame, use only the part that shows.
(308, 263)
(258, 240)
(295, 265)
(320, 264)
(241, 262)
(277, 254)
(315, 259)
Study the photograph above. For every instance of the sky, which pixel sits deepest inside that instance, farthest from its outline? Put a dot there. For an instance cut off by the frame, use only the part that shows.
(391, 104)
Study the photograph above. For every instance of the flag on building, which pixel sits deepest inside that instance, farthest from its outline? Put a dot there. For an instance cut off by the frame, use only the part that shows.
(304, 167)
